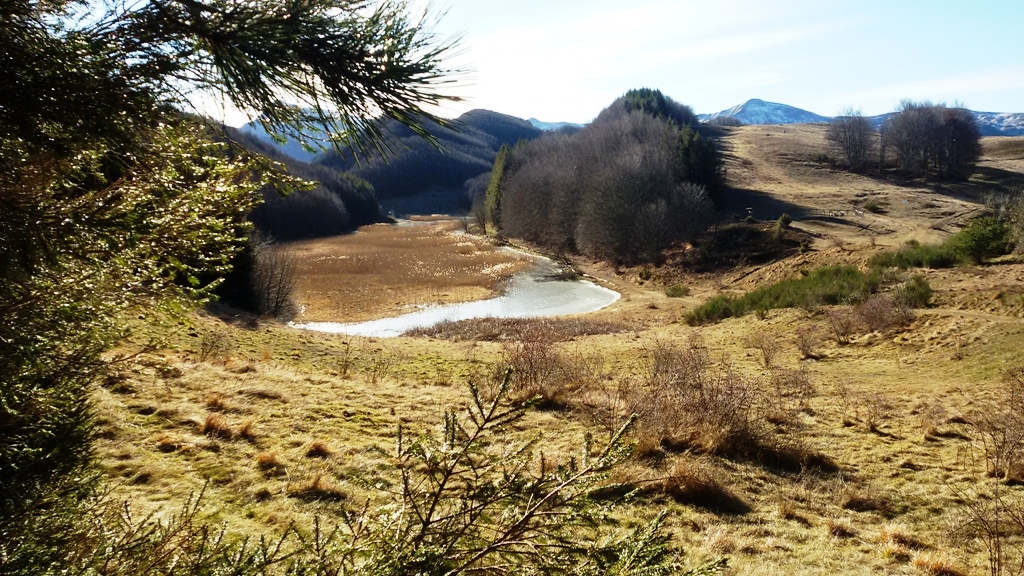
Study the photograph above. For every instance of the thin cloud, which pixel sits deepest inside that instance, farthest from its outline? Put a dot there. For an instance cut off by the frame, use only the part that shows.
(959, 87)
(735, 45)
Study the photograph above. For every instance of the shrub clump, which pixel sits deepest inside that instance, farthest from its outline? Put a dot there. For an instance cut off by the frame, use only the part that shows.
(687, 402)
(715, 310)
(874, 207)
(883, 313)
(999, 429)
(981, 239)
(915, 292)
(781, 225)
(677, 291)
(823, 286)
(913, 254)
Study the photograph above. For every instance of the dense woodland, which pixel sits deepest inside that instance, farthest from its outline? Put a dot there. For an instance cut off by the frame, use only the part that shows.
(409, 174)
(354, 189)
(638, 179)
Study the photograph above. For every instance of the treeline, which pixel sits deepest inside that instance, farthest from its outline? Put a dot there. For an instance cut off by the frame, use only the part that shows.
(928, 137)
(624, 188)
(924, 138)
(338, 203)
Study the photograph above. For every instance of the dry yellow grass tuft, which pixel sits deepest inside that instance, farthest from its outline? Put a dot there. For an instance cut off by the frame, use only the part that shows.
(317, 488)
(270, 463)
(899, 535)
(217, 426)
(695, 481)
(936, 565)
(895, 553)
(840, 528)
(318, 449)
(217, 402)
(247, 430)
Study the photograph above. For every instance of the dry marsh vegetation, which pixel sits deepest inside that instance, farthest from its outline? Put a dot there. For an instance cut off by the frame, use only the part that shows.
(854, 439)
(384, 268)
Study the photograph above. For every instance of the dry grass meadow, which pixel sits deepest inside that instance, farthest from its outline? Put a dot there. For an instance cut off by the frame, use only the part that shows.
(821, 450)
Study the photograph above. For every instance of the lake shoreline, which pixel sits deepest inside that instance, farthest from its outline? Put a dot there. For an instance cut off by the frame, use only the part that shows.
(387, 270)
(536, 293)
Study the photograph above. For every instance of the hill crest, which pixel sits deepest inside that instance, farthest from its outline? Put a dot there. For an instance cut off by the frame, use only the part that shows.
(757, 112)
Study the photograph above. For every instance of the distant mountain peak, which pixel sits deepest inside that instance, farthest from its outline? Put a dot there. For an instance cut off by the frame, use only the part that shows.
(551, 126)
(757, 111)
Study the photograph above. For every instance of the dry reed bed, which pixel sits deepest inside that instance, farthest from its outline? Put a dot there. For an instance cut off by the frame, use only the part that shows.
(496, 329)
(384, 270)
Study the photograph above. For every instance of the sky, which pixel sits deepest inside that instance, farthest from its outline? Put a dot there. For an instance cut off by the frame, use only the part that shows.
(564, 61)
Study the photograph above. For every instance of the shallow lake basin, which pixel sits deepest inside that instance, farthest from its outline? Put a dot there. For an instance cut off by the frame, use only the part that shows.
(532, 294)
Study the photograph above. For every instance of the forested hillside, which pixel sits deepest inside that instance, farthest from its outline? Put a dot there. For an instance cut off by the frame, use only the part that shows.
(636, 180)
(337, 204)
(462, 150)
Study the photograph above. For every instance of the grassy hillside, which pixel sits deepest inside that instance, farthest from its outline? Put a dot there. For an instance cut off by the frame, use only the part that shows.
(829, 444)
(776, 169)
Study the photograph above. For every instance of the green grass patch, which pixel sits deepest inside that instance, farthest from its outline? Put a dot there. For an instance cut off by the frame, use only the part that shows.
(715, 310)
(981, 239)
(913, 254)
(823, 158)
(823, 286)
(874, 207)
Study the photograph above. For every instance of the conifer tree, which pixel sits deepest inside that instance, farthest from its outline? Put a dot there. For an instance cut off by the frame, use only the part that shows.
(111, 197)
(492, 197)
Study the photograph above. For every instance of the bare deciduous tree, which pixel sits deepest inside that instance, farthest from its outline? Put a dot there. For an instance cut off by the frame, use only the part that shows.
(615, 190)
(927, 136)
(273, 278)
(853, 135)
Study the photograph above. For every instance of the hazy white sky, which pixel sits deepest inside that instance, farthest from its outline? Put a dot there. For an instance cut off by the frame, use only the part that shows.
(566, 60)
